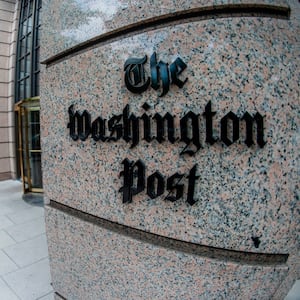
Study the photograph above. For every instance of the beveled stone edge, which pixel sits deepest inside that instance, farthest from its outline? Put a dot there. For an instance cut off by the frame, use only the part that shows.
(220, 254)
(194, 14)
(58, 296)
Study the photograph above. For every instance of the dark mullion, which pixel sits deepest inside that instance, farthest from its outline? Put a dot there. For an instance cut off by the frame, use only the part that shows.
(23, 79)
(34, 21)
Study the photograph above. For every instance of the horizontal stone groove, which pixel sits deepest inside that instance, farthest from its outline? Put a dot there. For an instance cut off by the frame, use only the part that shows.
(225, 255)
(201, 13)
(60, 296)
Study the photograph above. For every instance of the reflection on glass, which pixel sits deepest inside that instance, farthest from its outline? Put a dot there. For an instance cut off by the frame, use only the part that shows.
(23, 46)
(27, 88)
(34, 148)
(28, 65)
(22, 69)
(30, 145)
(21, 89)
(30, 6)
(29, 23)
(37, 36)
(24, 28)
(34, 126)
(28, 49)
(37, 59)
(24, 145)
(37, 84)
(36, 175)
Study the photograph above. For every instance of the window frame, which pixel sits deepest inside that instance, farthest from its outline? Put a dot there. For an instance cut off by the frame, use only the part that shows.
(28, 48)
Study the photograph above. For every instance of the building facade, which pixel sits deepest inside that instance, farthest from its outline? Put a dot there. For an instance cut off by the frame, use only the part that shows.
(20, 70)
(171, 148)
(8, 36)
(169, 137)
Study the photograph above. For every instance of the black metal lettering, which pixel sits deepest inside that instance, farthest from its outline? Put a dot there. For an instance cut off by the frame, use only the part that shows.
(84, 125)
(134, 179)
(115, 128)
(174, 187)
(209, 124)
(235, 128)
(131, 127)
(159, 72)
(136, 81)
(147, 127)
(135, 78)
(155, 185)
(249, 129)
(147, 123)
(190, 134)
(81, 121)
(176, 68)
(72, 123)
(191, 187)
(168, 119)
(98, 130)
(260, 129)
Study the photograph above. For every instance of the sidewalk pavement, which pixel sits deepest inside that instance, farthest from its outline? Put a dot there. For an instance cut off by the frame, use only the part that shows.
(24, 264)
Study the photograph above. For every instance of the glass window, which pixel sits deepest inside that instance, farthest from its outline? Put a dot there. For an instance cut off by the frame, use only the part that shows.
(28, 64)
(22, 68)
(21, 89)
(37, 83)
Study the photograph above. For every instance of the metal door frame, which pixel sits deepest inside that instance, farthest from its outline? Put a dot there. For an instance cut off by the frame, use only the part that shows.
(22, 108)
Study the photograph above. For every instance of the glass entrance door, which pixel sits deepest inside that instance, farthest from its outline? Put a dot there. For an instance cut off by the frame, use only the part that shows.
(29, 146)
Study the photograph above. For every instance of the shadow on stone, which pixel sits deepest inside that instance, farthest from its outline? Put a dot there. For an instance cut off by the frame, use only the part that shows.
(35, 199)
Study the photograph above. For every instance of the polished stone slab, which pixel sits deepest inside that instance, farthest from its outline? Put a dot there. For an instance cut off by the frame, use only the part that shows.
(241, 191)
(136, 270)
(86, 20)
(246, 196)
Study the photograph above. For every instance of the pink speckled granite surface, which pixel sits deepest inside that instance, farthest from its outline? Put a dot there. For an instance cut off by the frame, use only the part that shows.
(75, 21)
(239, 64)
(89, 259)
(242, 191)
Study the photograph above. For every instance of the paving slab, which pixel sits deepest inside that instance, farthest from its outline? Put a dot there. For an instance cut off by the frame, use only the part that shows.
(7, 265)
(24, 264)
(5, 222)
(31, 282)
(294, 293)
(25, 215)
(28, 252)
(6, 293)
(27, 230)
(11, 206)
(5, 239)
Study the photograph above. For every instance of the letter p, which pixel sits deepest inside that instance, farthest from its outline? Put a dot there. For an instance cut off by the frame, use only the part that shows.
(134, 179)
